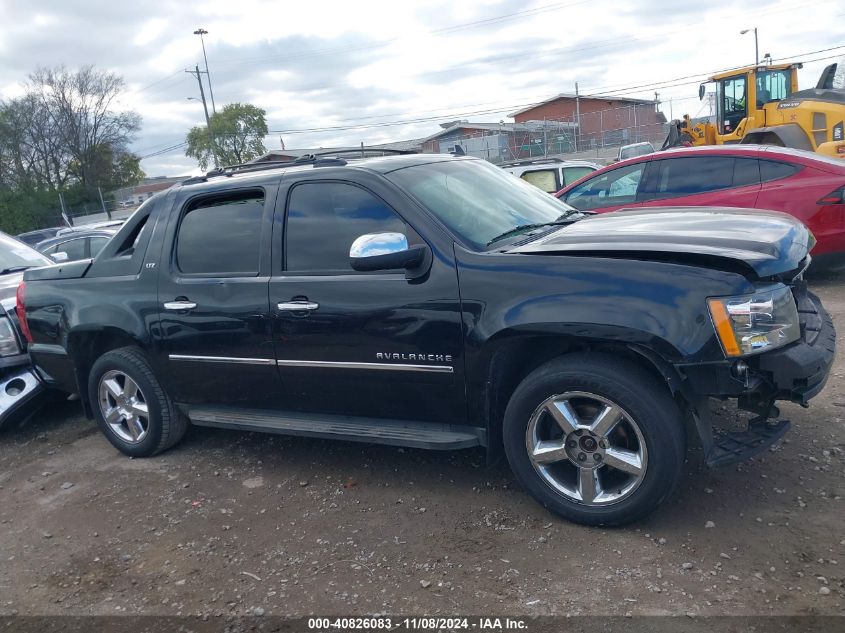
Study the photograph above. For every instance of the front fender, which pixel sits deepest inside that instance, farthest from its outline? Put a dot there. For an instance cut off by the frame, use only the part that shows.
(567, 301)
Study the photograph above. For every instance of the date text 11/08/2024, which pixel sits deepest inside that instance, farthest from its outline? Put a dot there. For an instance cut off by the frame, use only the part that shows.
(417, 623)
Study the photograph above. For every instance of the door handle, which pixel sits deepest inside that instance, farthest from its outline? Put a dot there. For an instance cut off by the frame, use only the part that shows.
(179, 305)
(297, 306)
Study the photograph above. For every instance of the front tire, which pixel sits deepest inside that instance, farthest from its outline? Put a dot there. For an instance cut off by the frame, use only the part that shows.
(594, 438)
(131, 407)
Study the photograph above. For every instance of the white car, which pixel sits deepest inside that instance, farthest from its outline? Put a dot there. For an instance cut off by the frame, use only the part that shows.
(551, 175)
(634, 149)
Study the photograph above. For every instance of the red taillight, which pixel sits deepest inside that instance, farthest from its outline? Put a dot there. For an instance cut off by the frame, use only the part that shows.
(21, 310)
(837, 196)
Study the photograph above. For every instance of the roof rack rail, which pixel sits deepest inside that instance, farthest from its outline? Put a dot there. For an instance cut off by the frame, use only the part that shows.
(533, 161)
(320, 159)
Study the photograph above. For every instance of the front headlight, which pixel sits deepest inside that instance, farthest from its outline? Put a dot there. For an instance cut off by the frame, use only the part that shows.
(756, 323)
(8, 341)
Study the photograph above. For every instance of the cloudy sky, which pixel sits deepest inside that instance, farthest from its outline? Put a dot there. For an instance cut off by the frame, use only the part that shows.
(333, 73)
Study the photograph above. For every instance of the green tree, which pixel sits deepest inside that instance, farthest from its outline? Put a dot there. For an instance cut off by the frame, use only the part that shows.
(109, 168)
(81, 106)
(64, 134)
(238, 132)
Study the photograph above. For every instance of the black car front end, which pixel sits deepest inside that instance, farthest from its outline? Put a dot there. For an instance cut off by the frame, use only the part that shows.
(795, 372)
(21, 390)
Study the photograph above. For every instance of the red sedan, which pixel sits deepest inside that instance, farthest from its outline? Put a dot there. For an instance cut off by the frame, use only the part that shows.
(808, 186)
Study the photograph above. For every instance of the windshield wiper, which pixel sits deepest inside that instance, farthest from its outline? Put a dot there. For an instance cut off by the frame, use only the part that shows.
(13, 269)
(562, 220)
(515, 230)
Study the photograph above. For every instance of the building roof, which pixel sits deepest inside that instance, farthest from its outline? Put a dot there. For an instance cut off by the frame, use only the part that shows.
(567, 95)
(154, 186)
(409, 145)
(527, 126)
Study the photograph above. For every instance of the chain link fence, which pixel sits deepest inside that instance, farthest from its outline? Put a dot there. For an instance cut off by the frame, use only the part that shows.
(596, 135)
(79, 214)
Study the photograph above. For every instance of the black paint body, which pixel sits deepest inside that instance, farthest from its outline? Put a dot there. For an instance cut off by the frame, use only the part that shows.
(495, 313)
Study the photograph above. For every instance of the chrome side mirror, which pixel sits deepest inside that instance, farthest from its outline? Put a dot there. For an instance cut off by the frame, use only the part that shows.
(58, 257)
(384, 251)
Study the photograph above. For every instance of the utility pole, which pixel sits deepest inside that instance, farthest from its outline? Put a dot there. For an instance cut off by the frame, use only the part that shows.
(201, 32)
(545, 150)
(198, 74)
(577, 117)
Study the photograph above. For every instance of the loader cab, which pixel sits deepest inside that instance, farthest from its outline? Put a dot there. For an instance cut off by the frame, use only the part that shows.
(741, 97)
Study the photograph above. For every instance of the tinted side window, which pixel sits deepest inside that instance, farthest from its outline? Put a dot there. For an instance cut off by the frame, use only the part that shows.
(323, 220)
(775, 170)
(221, 235)
(746, 172)
(75, 249)
(688, 176)
(617, 186)
(571, 174)
(97, 244)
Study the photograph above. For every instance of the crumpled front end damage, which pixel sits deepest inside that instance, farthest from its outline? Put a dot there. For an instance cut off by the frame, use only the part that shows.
(21, 393)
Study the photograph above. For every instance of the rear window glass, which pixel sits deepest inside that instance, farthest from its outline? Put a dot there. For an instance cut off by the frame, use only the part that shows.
(545, 179)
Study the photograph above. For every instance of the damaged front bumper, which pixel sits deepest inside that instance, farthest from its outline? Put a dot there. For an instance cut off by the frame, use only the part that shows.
(21, 392)
(795, 373)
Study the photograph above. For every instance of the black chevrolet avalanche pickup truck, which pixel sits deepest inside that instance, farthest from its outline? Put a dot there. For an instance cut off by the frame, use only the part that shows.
(439, 302)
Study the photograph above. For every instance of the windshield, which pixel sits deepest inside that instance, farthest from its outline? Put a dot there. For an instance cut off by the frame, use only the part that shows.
(478, 201)
(16, 255)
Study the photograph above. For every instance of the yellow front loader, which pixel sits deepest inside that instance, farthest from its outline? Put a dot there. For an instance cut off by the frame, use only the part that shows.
(762, 105)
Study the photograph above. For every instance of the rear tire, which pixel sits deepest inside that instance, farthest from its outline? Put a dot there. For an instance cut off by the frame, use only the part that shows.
(594, 438)
(131, 407)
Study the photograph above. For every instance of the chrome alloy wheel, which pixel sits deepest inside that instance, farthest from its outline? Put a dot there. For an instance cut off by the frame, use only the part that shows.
(123, 406)
(586, 448)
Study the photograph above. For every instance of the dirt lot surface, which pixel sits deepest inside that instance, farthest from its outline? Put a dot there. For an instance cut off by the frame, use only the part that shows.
(236, 523)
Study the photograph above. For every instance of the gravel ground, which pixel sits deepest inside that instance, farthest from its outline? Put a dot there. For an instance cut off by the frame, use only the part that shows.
(239, 524)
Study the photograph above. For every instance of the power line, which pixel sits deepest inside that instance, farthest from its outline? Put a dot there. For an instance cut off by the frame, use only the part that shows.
(502, 109)
(669, 83)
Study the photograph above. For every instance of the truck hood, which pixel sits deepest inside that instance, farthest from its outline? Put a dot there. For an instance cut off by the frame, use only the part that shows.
(767, 242)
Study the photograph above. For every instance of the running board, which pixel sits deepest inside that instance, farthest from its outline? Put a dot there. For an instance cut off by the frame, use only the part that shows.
(340, 427)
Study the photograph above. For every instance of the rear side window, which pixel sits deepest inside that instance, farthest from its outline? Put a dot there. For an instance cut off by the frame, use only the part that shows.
(746, 172)
(545, 179)
(571, 174)
(75, 249)
(97, 244)
(221, 235)
(775, 170)
(323, 220)
(700, 174)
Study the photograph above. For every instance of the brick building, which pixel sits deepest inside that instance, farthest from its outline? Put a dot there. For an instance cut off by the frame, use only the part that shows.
(501, 142)
(600, 121)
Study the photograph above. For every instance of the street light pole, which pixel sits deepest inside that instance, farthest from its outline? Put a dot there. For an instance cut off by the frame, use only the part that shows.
(202, 32)
(756, 46)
